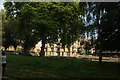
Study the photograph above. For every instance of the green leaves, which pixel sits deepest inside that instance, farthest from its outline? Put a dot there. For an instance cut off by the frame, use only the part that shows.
(106, 19)
(46, 21)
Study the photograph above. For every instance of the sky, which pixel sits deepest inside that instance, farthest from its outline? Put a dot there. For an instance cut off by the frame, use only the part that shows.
(1, 5)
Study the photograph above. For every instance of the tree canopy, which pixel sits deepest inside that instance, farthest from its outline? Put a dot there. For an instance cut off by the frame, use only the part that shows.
(45, 21)
(104, 19)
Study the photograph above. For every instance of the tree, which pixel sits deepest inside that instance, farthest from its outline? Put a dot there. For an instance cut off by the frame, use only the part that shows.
(1, 14)
(87, 47)
(72, 24)
(23, 27)
(105, 25)
(8, 37)
(46, 22)
(111, 29)
(62, 20)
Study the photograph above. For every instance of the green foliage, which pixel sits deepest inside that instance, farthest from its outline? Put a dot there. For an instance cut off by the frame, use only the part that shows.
(45, 21)
(1, 13)
(111, 30)
(71, 21)
(8, 35)
(103, 18)
(106, 22)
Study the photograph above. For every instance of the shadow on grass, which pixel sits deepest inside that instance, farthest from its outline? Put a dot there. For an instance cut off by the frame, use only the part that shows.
(67, 79)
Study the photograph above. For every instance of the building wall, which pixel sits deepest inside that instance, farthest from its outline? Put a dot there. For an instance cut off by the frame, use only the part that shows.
(56, 49)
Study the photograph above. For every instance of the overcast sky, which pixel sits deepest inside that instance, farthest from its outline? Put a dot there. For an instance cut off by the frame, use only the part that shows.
(1, 5)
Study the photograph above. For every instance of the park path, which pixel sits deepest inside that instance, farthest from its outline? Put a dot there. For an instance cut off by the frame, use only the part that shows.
(48, 75)
(7, 78)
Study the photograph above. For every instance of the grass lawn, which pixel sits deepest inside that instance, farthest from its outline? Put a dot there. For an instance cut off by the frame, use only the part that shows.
(29, 67)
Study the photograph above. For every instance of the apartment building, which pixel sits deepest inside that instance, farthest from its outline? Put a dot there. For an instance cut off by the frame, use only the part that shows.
(56, 49)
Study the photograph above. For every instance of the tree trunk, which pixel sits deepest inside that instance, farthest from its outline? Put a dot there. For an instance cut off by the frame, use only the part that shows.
(100, 57)
(63, 52)
(85, 51)
(26, 51)
(118, 56)
(100, 49)
(15, 46)
(58, 54)
(42, 52)
(6, 48)
(69, 51)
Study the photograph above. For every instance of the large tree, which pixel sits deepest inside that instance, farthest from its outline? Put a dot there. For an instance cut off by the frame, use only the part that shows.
(19, 23)
(45, 21)
(105, 21)
(70, 18)
(8, 36)
(111, 29)
(59, 20)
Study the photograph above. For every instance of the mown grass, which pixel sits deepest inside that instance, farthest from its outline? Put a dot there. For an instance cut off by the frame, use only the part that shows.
(19, 66)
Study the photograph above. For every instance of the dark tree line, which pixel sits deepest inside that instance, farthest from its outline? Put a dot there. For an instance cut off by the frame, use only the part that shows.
(104, 18)
(28, 23)
(42, 21)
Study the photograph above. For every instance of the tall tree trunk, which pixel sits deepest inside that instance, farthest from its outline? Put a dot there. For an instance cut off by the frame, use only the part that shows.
(63, 52)
(42, 52)
(98, 53)
(118, 56)
(69, 51)
(86, 51)
(100, 56)
(26, 47)
(15, 46)
(100, 49)
(6, 48)
(26, 50)
(58, 54)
